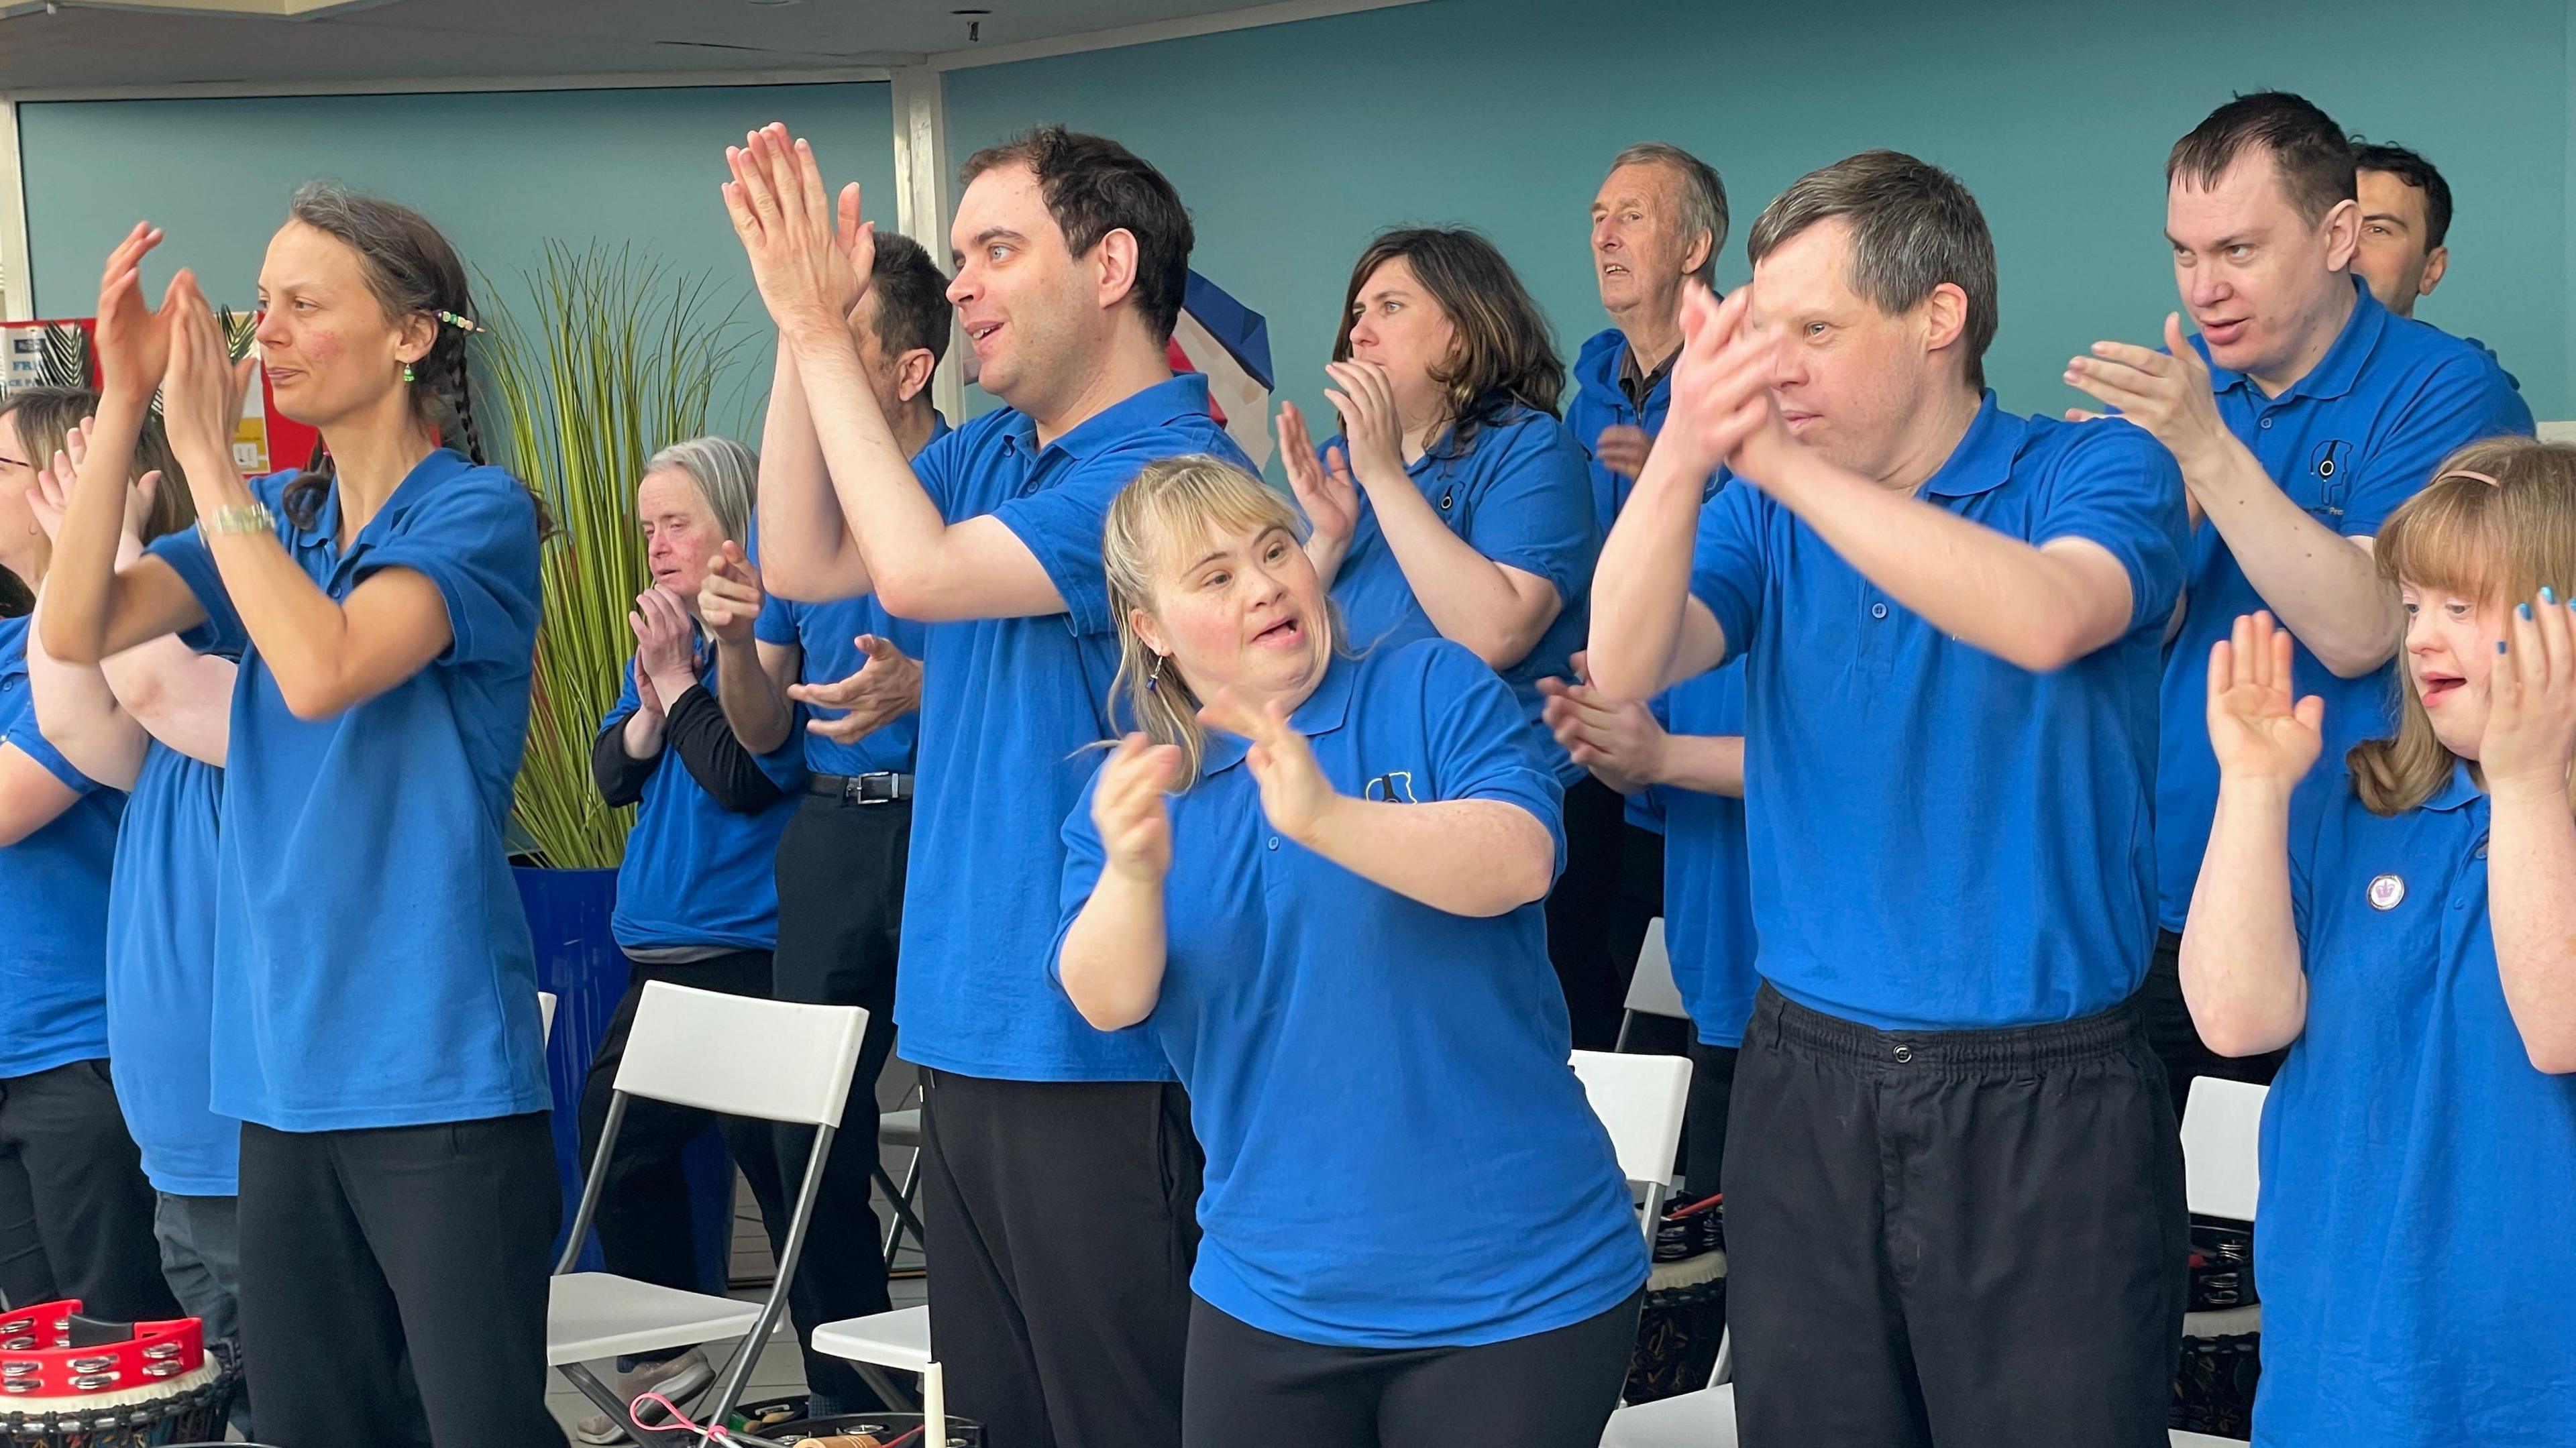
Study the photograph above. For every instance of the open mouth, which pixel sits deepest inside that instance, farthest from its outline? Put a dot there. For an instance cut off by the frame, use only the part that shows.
(2227, 333)
(981, 333)
(2437, 687)
(1286, 633)
(1613, 269)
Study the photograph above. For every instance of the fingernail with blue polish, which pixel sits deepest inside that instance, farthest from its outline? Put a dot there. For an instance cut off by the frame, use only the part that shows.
(2548, 595)
(2524, 609)
(2499, 646)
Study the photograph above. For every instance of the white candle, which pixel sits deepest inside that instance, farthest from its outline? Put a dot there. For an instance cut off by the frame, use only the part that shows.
(934, 1408)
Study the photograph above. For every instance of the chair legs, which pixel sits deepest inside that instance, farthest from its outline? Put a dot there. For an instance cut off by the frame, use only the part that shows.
(901, 1199)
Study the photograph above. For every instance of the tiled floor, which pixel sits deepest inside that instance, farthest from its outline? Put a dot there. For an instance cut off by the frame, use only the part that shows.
(779, 1372)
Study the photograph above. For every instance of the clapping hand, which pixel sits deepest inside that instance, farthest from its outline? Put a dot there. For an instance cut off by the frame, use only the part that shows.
(2531, 701)
(665, 643)
(810, 259)
(133, 341)
(1324, 489)
(54, 484)
(1619, 742)
(1127, 808)
(1294, 792)
(885, 687)
(730, 597)
(2166, 392)
(2260, 734)
(1721, 389)
(202, 391)
(1623, 449)
(1371, 427)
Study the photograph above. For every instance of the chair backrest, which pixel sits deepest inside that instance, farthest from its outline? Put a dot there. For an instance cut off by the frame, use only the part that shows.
(1651, 991)
(742, 1056)
(2222, 1132)
(546, 1015)
(1641, 1099)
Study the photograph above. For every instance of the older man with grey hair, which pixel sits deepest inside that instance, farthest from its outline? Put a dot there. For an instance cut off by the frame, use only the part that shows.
(1954, 1202)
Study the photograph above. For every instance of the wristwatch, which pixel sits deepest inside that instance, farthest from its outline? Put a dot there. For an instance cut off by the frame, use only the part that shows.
(238, 518)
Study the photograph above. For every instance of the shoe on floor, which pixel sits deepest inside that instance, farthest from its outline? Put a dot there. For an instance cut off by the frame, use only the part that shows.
(681, 1379)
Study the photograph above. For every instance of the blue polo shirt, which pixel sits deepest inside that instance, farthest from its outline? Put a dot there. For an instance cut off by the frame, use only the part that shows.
(2411, 1244)
(1708, 883)
(161, 975)
(827, 634)
(53, 954)
(372, 961)
(696, 873)
(1362, 1067)
(2360, 434)
(1520, 492)
(1941, 840)
(1007, 706)
(1600, 403)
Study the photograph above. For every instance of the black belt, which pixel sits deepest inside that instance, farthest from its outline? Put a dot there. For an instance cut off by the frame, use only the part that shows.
(883, 787)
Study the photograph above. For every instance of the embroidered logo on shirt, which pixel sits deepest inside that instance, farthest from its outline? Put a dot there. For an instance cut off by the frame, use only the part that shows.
(1394, 788)
(2386, 891)
(2329, 458)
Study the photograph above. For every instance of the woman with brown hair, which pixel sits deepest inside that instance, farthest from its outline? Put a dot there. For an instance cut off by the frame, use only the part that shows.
(1312, 882)
(2407, 928)
(375, 1006)
(1455, 505)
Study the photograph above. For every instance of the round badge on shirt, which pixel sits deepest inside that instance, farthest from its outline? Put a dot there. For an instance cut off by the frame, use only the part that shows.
(2386, 891)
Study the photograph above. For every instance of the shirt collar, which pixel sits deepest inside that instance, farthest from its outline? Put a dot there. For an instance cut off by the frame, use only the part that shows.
(2462, 790)
(1984, 457)
(2335, 372)
(1324, 711)
(1184, 395)
(441, 464)
(1636, 382)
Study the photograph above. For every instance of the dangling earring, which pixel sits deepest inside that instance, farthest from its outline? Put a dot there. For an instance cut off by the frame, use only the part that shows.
(1154, 680)
(407, 377)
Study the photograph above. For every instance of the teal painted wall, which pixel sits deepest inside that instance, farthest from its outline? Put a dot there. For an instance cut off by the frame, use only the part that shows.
(500, 174)
(1293, 143)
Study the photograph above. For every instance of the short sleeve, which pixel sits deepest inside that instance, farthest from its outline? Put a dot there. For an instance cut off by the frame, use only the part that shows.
(1482, 746)
(2464, 400)
(188, 555)
(2117, 487)
(478, 544)
(939, 465)
(1062, 523)
(1535, 513)
(2318, 797)
(777, 622)
(1730, 568)
(907, 635)
(28, 740)
(1084, 858)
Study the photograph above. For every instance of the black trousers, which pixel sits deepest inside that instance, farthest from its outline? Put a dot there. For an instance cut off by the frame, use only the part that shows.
(646, 1227)
(359, 1248)
(2177, 1041)
(1972, 1236)
(841, 870)
(1063, 1221)
(1712, 1097)
(75, 1210)
(1580, 912)
(1551, 1389)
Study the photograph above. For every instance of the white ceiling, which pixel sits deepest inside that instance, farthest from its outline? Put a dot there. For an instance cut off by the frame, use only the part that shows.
(77, 46)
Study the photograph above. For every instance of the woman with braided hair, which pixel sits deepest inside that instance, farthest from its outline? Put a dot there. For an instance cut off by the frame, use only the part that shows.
(375, 1013)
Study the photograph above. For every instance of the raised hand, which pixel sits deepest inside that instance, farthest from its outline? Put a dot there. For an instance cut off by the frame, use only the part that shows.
(648, 699)
(1128, 810)
(1721, 390)
(133, 340)
(1623, 450)
(1294, 792)
(201, 393)
(2530, 737)
(2167, 392)
(730, 597)
(1325, 489)
(2258, 732)
(665, 642)
(810, 259)
(1370, 424)
(885, 687)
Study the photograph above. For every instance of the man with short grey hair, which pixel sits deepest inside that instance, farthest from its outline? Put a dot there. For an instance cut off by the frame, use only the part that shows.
(1954, 1204)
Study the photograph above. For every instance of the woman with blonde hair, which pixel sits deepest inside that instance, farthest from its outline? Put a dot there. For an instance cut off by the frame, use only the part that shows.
(1313, 880)
(2407, 928)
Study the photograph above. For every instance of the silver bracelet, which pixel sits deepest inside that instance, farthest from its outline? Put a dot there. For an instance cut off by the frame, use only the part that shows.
(238, 518)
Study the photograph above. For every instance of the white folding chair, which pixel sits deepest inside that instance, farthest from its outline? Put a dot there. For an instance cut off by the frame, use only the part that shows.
(1651, 991)
(1641, 1100)
(545, 1016)
(901, 1129)
(899, 1339)
(2222, 1135)
(738, 1056)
